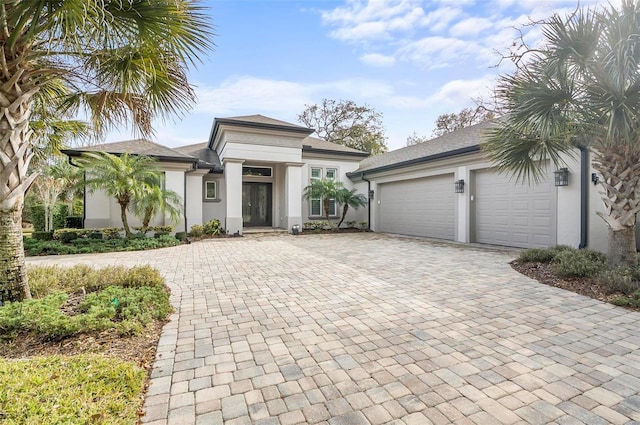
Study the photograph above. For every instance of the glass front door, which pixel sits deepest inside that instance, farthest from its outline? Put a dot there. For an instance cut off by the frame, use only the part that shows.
(256, 204)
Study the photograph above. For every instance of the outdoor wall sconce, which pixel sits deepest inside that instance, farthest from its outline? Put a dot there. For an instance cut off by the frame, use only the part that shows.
(594, 178)
(562, 177)
(459, 186)
(371, 194)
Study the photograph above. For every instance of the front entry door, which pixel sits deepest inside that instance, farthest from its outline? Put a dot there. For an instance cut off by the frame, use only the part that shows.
(256, 204)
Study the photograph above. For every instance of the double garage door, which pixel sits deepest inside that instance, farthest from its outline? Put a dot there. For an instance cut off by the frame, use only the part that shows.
(502, 212)
(420, 207)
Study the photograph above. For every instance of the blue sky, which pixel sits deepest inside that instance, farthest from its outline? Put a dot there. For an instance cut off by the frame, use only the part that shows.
(411, 60)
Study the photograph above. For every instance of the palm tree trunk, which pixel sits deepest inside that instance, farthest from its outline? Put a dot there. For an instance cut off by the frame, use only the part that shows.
(620, 170)
(325, 206)
(148, 214)
(125, 221)
(15, 135)
(344, 214)
(13, 282)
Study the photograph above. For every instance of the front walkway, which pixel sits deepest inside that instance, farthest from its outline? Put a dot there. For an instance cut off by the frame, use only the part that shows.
(371, 329)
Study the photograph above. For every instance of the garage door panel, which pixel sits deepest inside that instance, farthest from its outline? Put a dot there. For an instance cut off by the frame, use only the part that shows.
(420, 207)
(513, 214)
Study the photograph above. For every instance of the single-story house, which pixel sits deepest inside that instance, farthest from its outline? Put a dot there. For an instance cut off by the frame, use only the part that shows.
(446, 188)
(250, 173)
(253, 169)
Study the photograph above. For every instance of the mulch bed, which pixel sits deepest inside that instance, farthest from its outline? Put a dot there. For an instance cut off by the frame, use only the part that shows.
(589, 287)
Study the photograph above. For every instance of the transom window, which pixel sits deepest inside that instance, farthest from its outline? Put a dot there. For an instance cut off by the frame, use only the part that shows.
(257, 171)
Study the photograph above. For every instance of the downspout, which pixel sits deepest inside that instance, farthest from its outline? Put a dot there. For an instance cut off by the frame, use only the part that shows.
(84, 192)
(368, 203)
(584, 196)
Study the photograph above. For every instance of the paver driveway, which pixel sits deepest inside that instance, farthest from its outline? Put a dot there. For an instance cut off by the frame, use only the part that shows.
(372, 329)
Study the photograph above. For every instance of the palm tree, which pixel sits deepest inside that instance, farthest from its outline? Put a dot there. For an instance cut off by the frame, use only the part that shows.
(125, 177)
(115, 61)
(154, 199)
(349, 198)
(71, 178)
(325, 190)
(580, 89)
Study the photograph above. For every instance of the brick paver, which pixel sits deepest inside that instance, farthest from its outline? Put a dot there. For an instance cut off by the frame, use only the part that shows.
(371, 329)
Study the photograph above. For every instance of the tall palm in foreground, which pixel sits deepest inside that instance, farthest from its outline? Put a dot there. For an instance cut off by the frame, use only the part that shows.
(325, 190)
(581, 88)
(124, 177)
(116, 61)
(155, 199)
(349, 198)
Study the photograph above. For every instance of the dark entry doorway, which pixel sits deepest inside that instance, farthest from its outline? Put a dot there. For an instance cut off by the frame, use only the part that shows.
(256, 204)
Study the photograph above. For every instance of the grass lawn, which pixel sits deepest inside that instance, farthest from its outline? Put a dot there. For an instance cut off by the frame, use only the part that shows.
(84, 389)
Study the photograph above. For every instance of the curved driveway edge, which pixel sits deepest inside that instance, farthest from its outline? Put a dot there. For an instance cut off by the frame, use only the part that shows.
(372, 329)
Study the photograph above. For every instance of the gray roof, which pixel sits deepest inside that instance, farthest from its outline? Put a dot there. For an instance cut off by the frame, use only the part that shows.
(459, 141)
(261, 119)
(136, 147)
(320, 144)
(207, 158)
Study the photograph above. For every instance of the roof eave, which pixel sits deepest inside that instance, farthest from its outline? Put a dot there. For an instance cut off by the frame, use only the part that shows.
(247, 124)
(306, 148)
(161, 158)
(415, 161)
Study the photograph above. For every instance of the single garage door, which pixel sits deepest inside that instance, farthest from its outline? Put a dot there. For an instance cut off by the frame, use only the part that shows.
(420, 207)
(510, 213)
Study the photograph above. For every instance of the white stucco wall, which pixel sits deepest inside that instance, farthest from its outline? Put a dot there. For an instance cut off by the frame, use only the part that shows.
(568, 215)
(260, 153)
(97, 210)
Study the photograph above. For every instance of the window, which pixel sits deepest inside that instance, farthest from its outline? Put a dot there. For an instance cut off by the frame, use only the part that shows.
(331, 173)
(316, 173)
(210, 190)
(257, 171)
(315, 204)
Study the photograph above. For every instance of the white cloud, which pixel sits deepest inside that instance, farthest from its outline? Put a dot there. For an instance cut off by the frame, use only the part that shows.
(470, 27)
(458, 93)
(440, 52)
(376, 19)
(376, 59)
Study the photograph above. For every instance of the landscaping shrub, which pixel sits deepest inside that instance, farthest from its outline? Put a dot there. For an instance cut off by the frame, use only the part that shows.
(60, 213)
(159, 234)
(95, 235)
(37, 217)
(118, 298)
(579, 263)
(213, 227)
(112, 233)
(74, 222)
(181, 236)
(67, 237)
(542, 255)
(621, 279)
(42, 236)
(35, 247)
(197, 230)
(632, 300)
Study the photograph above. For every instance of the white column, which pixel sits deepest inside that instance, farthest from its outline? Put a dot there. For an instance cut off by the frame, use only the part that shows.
(193, 199)
(233, 185)
(174, 180)
(463, 205)
(293, 194)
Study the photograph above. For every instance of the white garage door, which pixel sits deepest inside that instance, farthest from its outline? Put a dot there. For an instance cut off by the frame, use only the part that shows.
(510, 213)
(420, 207)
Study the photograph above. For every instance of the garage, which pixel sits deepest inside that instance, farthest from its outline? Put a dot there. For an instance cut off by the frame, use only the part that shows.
(418, 207)
(510, 213)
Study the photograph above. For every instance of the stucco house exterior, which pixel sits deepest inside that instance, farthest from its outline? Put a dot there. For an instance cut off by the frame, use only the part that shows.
(253, 169)
(446, 188)
(250, 173)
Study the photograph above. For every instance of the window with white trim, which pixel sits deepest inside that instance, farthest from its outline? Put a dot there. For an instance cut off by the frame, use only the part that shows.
(210, 190)
(315, 204)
